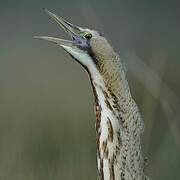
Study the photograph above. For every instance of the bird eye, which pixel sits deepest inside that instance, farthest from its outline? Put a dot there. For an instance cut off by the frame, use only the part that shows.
(88, 36)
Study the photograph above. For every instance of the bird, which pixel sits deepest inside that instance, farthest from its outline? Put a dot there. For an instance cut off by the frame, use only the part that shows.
(119, 124)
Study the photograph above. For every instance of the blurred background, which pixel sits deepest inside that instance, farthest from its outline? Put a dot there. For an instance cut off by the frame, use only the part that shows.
(46, 103)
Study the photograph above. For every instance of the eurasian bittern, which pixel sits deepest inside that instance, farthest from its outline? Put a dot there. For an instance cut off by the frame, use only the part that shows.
(118, 122)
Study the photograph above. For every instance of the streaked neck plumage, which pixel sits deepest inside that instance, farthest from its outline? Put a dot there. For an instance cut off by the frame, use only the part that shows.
(118, 122)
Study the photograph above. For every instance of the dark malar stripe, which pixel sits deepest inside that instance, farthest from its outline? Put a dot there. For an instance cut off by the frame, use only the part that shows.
(98, 117)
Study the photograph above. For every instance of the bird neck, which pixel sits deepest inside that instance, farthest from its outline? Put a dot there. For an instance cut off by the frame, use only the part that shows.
(118, 129)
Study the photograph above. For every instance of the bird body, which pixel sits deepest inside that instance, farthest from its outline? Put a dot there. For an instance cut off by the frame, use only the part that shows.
(118, 121)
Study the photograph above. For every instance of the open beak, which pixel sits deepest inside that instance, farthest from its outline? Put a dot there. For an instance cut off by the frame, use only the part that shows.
(75, 32)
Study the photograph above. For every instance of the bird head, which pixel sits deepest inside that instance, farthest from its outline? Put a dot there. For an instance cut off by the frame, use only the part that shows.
(86, 46)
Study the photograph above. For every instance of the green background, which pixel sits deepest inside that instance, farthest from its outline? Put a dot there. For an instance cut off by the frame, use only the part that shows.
(46, 103)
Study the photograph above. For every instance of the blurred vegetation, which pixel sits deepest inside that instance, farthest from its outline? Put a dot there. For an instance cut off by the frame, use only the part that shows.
(46, 103)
